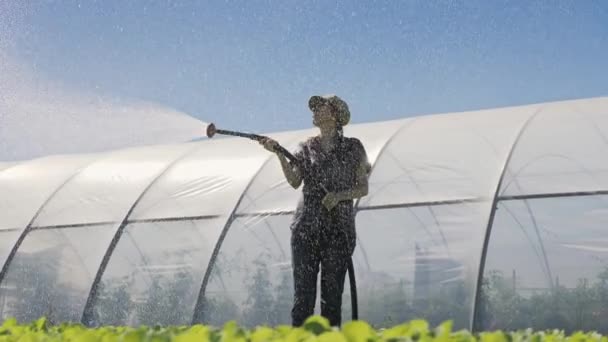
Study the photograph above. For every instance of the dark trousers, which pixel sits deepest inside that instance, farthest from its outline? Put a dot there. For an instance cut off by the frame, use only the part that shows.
(309, 252)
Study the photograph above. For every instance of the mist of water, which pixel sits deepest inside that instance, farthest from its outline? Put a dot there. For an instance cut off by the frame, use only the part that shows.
(41, 117)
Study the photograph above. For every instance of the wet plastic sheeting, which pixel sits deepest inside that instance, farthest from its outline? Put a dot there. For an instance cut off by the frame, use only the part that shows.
(537, 245)
(375, 136)
(105, 190)
(25, 187)
(563, 149)
(8, 237)
(156, 272)
(52, 272)
(252, 280)
(207, 181)
(419, 262)
(445, 157)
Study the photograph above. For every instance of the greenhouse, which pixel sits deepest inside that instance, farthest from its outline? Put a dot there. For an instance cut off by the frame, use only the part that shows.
(492, 218)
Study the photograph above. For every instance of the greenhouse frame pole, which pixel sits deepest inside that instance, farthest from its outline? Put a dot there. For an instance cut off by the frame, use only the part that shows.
(197, 315)
(87, 312)
(29, 226)
(474, 320)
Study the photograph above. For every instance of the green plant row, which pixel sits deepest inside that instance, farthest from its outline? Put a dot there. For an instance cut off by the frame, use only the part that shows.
(316, 328)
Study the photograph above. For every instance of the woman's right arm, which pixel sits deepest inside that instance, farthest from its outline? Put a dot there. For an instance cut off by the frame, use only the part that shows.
(291, 172)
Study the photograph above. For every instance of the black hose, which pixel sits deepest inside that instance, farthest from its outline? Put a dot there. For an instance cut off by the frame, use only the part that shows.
(353, 289)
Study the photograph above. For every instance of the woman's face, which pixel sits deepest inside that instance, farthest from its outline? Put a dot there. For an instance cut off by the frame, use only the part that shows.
(322, 116)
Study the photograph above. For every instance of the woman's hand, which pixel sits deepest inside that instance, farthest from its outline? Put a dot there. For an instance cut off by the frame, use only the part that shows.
(269, 144)
(330, 200)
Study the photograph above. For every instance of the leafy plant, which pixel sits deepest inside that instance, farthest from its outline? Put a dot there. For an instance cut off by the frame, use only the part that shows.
(316, 328)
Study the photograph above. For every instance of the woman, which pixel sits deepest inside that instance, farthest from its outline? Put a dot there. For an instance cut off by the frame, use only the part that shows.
(334, 170)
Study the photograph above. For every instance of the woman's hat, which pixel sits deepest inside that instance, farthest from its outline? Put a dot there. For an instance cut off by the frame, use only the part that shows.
(340, 108)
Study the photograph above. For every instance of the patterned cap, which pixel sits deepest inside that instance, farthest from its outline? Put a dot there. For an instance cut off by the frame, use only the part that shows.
(340, 107)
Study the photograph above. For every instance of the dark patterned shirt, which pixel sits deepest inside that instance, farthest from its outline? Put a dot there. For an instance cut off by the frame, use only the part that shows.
(334, 171)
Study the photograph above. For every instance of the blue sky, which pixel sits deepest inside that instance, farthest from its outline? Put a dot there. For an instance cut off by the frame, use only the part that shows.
(252, 65)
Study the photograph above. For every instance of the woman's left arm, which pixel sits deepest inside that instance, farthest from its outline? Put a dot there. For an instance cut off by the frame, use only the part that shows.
(361, 188)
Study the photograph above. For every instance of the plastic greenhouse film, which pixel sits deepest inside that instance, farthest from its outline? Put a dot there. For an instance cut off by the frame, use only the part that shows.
(572, 159)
